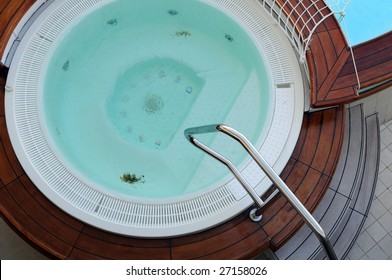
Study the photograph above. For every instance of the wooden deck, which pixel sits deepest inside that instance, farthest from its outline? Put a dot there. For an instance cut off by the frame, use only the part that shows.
(374, 64)
(308, 173)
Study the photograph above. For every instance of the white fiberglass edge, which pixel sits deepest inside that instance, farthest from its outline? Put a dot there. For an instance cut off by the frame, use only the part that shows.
(173, 217)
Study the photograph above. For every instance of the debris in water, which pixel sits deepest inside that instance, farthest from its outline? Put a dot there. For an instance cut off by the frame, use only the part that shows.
(66, 66)
(172, 12)
(183, 33)
(229, 38)
(112, 21)
(132, 178)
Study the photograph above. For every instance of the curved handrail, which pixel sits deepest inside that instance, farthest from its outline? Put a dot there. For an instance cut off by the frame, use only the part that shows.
(268, 170)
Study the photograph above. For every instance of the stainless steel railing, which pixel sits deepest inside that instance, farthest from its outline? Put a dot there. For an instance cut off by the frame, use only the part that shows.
(268, 170)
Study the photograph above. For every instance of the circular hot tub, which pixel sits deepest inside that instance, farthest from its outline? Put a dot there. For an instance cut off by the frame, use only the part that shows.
(99, 93)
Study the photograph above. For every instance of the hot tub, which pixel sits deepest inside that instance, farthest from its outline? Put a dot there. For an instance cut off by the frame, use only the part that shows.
(99, 93)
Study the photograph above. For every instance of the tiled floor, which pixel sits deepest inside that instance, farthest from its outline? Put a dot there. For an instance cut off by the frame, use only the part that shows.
(374, 242)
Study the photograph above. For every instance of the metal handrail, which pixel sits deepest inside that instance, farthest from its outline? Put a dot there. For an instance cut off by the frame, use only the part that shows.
(268, 170)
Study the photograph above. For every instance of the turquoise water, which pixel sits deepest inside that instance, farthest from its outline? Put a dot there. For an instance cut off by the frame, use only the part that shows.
(367, 19)
(125, 81)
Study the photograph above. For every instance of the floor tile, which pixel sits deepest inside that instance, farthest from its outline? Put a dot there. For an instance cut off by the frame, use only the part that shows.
(386, 158)
(376, 253)
(386, 221)
(382, 146)
(377, 209)
(386, 198)
(376, 231)
(386, 177)
(365, 257)
(368, 221)
(381, 167)
(386, 137)
(380, 188)
(386, 245)
(365, 241)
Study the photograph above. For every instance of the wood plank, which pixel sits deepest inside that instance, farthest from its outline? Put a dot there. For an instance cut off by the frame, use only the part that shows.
(330, 52)
(248, 248)
(214, 244)
(7, 173)
(104, 249)
(339, 41)
(336, 148)
(326, 140)
(109, 237)
(280, 237)
(312, 139)
(367, 62)
(49, 206)
(324, 88)
(52, 224)
(374, 64)
(316, 53)
(3, 5)
(373, 46)
(281, 220)
(78, 254)
(293, 181)
(377, 74)
(340, 96)
(302, 137)
(30, 229)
